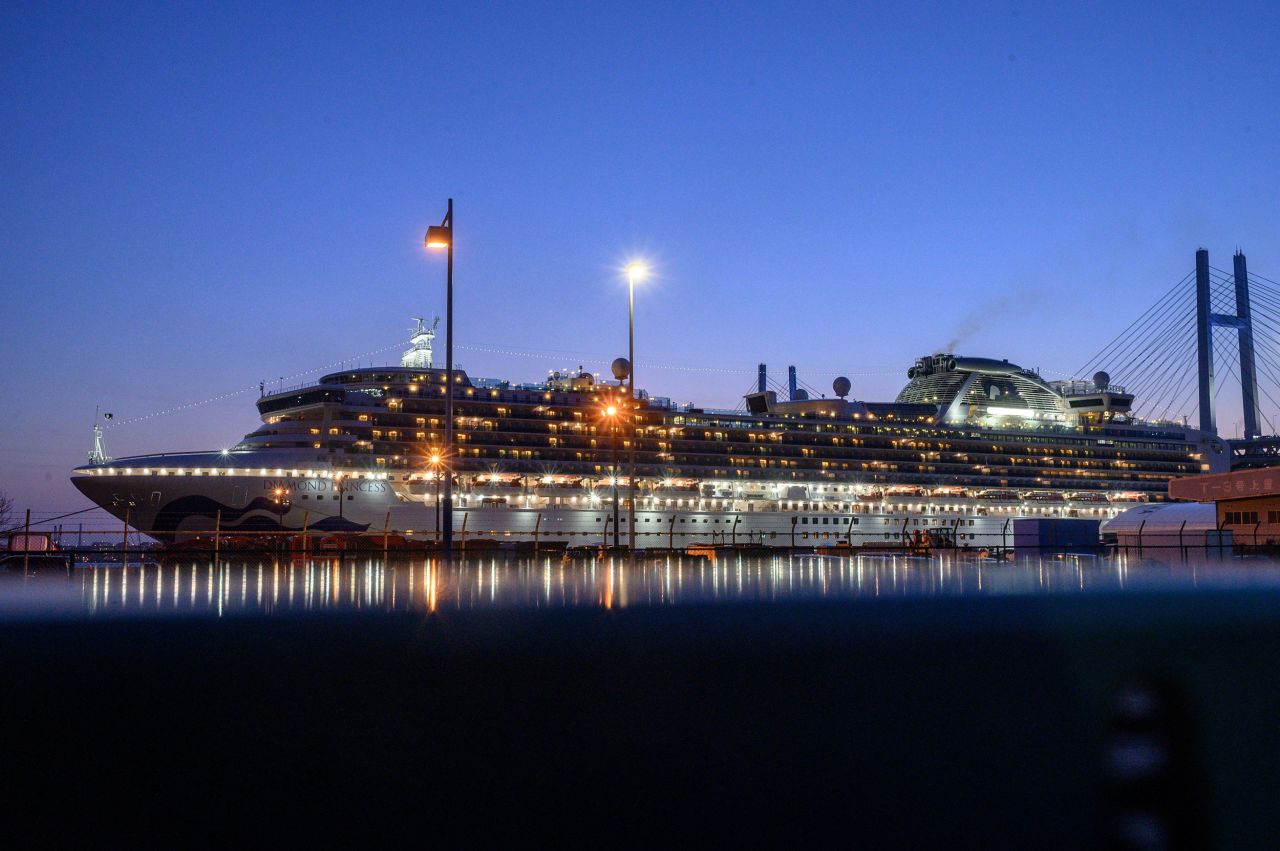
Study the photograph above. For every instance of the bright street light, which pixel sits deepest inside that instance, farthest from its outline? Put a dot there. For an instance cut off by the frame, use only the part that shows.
(636, 271)
(441, 237)
(435, 463)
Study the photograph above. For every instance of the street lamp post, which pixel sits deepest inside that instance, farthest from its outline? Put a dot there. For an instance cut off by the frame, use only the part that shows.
(435, 465)
(441, 236)
(612, 413)
(635, 272)
(283, 504)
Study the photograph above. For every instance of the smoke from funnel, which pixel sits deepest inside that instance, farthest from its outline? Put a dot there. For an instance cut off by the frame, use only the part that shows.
(999, 309)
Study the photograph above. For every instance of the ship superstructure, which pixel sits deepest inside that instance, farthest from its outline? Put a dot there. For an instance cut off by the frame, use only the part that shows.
(968, 444)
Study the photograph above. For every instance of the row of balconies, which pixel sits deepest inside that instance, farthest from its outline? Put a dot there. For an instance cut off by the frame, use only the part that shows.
(576, 442)
(406, 419)
(866, 463)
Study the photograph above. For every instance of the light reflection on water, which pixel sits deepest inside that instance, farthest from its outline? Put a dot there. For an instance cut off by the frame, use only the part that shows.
(267, 585)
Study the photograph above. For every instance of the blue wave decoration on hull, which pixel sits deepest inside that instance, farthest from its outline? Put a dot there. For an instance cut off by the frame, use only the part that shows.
(172, 515)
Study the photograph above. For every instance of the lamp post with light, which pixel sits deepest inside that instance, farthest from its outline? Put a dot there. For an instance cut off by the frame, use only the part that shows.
(621, 368)
(441, 236)
(283, 504)
(340, 488)
(635, 272)
(611, 413)
(435, 466)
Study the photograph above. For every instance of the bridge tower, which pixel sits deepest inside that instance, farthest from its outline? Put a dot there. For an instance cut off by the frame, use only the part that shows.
(1248, 369)
(1206, 321)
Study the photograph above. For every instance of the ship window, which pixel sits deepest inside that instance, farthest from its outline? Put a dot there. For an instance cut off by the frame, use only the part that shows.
(350, 496)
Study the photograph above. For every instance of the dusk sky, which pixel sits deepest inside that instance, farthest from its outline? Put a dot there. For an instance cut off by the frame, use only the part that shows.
(199, 197)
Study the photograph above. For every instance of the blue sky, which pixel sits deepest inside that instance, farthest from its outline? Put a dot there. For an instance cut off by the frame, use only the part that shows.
(199, 197)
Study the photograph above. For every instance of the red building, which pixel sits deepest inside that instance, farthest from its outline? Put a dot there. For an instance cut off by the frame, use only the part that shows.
(1247, 501)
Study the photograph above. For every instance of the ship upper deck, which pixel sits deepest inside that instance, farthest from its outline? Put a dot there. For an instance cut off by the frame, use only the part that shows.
(960, 421)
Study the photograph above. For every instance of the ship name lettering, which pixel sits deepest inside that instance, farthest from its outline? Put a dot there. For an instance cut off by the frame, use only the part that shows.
(296, 485)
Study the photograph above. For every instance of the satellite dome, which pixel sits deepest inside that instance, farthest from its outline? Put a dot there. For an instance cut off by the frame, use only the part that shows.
(841, 385)
(1101, 380)
(621, 368)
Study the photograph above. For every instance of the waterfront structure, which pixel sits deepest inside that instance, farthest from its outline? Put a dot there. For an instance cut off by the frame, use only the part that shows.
(1166, 529)
(968, 445)
(1245, 502)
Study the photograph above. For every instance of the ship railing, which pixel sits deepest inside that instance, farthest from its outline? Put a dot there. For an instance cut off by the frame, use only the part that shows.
(292, 388)
(1087, 388)
(201, 453)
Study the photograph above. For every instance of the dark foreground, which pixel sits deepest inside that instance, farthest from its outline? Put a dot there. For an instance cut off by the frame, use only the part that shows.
(1123, 718)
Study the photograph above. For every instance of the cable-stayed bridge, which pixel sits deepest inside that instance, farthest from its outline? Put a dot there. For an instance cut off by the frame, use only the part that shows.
(1211, 329)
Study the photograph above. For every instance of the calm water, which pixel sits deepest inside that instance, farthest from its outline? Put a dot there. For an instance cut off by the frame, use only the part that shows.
(267, 585)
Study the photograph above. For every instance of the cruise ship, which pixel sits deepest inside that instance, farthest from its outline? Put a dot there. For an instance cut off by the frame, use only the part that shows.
(968, 445)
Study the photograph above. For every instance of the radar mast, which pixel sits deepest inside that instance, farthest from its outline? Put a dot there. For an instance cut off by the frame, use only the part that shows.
(98, 454)
(419, 355)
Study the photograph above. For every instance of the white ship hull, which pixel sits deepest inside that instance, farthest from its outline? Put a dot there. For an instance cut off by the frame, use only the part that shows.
(177, 508)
